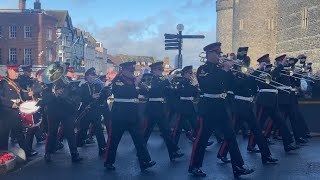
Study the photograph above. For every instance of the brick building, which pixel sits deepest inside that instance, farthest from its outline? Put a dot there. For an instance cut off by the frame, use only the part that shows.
(270, 26)
(27, 36)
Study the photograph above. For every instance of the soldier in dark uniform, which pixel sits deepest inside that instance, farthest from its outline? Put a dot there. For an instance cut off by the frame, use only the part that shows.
(10, 96)
(245, 88)
(267, 104)
(186, 93)
(286, 100)
(27, 83)
(90, 93)
(156, 113)
(124, 117)
(61, 108)
(214, 79)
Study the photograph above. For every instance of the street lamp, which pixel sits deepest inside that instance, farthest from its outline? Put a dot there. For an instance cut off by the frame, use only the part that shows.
(180, 27)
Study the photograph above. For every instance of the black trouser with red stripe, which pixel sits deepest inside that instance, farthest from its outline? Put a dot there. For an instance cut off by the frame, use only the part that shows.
(182, 121)
(10, 121)
(150, 121)
(67, 122)
(93, 117)
(244, 113)
(287, 111)
(215, 117)
(275, 117)
(116, 129)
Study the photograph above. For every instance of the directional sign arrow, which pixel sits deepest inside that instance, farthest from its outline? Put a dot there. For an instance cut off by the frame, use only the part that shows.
(193, 36)
(171, 48)
(172, 44)
(172, 41)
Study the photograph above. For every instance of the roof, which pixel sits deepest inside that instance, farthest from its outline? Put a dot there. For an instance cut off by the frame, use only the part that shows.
(60, 15)
(89, 38)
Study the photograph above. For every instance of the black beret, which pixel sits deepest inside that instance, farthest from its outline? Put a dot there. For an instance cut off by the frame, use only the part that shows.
(243, 50)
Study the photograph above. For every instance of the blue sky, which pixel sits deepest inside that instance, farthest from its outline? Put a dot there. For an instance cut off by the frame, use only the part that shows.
(137, 27)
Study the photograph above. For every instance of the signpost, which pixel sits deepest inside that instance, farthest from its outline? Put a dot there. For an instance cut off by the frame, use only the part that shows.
(174, 42)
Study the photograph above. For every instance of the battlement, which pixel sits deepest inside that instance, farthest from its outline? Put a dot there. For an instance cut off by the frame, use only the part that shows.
(224, 5)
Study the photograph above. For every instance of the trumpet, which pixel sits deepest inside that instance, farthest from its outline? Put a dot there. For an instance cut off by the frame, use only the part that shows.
(202, 57)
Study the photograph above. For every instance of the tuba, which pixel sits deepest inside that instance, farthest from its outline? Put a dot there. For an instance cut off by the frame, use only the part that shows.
(55, 74)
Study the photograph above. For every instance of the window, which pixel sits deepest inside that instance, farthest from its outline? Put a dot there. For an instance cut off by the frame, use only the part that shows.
(13, 55)
(0, 32)
(27, 31)
(241, 24)
(27, 56)
(49, 35)
(304, 18)
(12, 31)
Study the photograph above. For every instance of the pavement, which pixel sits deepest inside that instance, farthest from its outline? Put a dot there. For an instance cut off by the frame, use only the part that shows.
(301, 164)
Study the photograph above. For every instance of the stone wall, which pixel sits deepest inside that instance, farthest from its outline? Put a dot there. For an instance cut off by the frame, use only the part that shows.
(254, 26)
(293, 37)
(224, 10)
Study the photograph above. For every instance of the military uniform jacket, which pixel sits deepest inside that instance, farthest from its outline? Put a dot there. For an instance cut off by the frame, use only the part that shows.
(212, 80)
(124, 88)
(186, 89)
(86, 91)
(25, 82)
(8, 94)
(268, 99)
(243, 86)
(160, 87)
(288, 82)
(59, 107)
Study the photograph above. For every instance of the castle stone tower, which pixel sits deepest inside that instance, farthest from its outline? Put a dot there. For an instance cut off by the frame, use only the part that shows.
(224, 10)
(254, 26)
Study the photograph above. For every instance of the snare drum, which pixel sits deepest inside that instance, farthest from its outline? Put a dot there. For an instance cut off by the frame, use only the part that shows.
(27, 110)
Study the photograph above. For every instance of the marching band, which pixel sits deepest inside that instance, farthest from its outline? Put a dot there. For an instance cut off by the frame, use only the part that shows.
(225, 95)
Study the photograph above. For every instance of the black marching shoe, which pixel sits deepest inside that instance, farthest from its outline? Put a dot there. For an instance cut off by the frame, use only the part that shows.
(175, 155)
(209, 143)
(47, 157)
(301, 141)
(146, 165)
(197, 172)
(269, 160)
(75, 157)
(253, 150)
(109, 166)
(290, 147)
(224, 159)
(240, 170)
(102, 151)
(31, 153)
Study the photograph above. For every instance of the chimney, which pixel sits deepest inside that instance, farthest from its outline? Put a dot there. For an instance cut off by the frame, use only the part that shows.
(37, 5)
(22, 4)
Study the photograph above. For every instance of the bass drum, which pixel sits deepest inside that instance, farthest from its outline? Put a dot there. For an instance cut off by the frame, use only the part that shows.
(27, 111)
